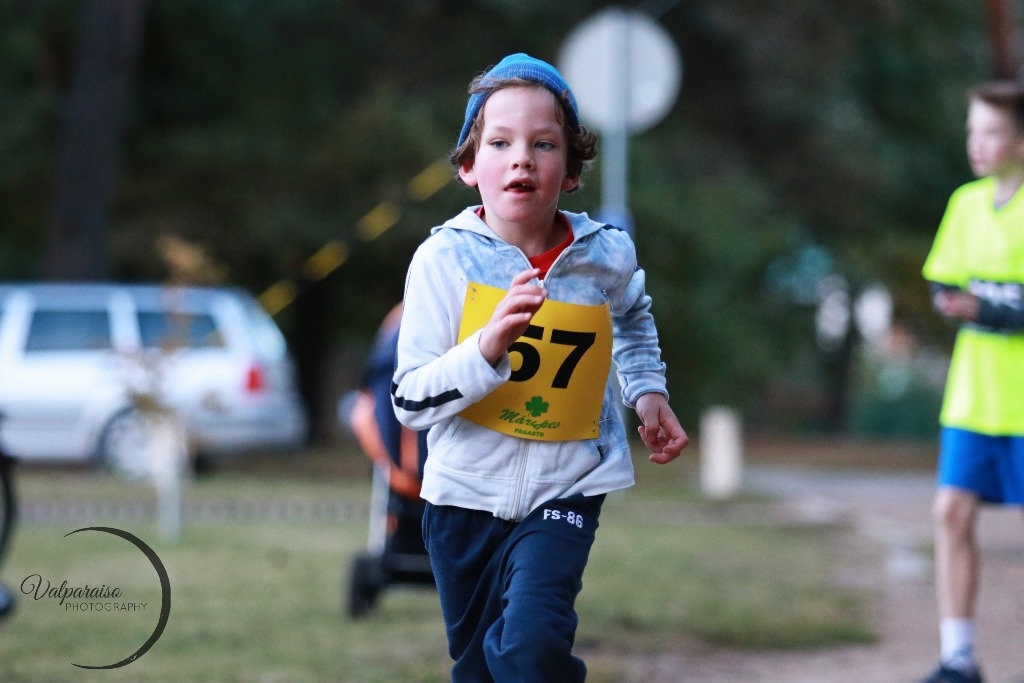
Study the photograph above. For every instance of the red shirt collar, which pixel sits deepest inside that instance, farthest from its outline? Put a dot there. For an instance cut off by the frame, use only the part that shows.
(544, 260)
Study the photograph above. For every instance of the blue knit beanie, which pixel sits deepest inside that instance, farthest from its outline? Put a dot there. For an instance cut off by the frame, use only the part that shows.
(523, 66)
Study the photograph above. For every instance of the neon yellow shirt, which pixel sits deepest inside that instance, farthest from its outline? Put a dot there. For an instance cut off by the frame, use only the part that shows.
(981, 249)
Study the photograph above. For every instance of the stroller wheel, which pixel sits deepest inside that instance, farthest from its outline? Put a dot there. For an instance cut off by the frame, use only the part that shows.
(364, 585)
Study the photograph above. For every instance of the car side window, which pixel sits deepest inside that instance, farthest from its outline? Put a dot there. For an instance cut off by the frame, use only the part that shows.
(163, 330)
(69, 331)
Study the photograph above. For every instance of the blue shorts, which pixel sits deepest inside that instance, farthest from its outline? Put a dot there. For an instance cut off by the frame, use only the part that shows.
(990, 466)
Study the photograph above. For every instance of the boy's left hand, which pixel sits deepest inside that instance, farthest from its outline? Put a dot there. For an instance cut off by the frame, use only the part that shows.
(660, 431)
(958, 305)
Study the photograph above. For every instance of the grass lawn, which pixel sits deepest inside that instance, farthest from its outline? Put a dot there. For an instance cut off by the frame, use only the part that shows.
(260, 599)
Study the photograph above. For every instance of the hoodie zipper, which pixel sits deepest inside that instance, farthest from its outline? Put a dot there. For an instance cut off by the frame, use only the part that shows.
(516, 500)
(547, 276)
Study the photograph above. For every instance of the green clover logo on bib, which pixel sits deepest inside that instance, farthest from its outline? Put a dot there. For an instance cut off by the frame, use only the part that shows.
(537, 406)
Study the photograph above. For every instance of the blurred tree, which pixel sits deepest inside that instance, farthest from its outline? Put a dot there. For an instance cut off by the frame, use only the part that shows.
(105, 64)
(1002, 23)
(837, 127)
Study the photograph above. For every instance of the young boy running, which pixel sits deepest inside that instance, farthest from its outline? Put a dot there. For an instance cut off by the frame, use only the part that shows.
(976, 272)
(513, 312)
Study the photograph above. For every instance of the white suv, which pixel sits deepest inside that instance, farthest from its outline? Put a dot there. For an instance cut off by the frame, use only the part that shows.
(81, 363)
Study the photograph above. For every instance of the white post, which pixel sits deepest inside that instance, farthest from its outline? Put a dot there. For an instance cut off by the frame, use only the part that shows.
(721, 452)
(168, 456)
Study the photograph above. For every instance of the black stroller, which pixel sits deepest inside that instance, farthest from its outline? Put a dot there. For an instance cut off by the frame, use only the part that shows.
(395, 552)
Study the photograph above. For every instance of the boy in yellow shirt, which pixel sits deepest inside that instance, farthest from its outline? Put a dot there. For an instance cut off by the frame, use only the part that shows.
(976, 272)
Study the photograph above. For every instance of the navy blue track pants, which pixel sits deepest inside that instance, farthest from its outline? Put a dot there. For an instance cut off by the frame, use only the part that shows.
(507, 589)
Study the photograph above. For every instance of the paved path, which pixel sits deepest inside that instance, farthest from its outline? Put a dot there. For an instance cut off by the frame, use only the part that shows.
(891, 514)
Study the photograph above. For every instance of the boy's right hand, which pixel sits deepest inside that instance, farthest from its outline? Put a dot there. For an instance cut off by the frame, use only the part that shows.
(511, 316)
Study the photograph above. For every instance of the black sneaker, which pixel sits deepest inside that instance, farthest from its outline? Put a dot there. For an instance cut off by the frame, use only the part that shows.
(947, 674)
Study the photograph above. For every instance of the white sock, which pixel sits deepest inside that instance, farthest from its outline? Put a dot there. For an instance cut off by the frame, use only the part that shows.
(956, 637)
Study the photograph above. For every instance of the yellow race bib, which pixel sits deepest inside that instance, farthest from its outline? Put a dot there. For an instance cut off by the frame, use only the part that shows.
(559, 370)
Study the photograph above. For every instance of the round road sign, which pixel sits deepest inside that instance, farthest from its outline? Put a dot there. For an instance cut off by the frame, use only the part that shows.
(624, 69)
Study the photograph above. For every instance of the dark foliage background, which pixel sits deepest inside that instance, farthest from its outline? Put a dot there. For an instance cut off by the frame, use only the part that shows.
(259, 130)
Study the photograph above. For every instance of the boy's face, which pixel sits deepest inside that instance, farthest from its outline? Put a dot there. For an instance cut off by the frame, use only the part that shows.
(995, 146)
(520, 165)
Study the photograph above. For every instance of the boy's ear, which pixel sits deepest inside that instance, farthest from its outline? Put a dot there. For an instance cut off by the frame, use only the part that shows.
(467, 174)
(570, 184)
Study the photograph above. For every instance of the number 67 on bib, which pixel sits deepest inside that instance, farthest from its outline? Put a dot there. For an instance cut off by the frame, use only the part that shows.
(559, 370)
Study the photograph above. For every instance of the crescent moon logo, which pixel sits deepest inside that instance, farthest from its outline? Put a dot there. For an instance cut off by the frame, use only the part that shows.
(165, 593)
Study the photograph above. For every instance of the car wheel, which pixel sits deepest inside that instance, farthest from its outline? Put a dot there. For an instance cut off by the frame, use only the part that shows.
(202, 464)
(125, 444)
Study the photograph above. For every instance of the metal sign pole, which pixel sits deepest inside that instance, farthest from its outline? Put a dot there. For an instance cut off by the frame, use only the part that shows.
(615, 157)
